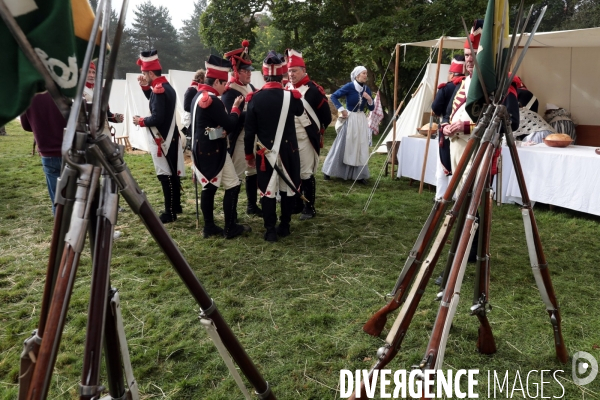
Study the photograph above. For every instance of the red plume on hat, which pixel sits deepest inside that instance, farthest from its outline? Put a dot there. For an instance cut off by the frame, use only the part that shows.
(240, 58)
(148, 61)
(475, 35)
(294, 58)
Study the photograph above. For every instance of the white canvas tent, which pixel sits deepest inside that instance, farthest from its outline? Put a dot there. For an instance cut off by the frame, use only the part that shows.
(559, 68)
(418, 107)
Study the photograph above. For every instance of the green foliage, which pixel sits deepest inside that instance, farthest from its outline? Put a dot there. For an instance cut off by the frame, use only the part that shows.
(267, 37)
(225, 23)
(193, 50)
(152, 29)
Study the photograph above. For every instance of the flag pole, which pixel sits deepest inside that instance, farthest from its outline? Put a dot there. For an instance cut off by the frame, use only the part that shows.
(395, 104)
(437, 77)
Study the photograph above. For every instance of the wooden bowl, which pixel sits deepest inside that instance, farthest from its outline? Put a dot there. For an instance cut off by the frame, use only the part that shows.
(558, 143)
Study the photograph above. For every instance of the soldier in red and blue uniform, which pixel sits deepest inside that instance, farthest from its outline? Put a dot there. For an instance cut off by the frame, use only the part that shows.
(443, 97)
(310, 127)
(264, 111)
(163, 135)
(212, 163)
(239, 85)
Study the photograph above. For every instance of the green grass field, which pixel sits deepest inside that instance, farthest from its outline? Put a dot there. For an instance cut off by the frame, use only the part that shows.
(298, 305)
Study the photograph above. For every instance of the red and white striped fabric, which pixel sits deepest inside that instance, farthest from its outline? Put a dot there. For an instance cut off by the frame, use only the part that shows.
(376, 116)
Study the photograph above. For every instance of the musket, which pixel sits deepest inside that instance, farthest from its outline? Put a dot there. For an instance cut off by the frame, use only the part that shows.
(481, 307)
(377, 322)
(434, 355)
(87, 183)
(197, 210)
(398, 331)
(282, 174)
(539, 265)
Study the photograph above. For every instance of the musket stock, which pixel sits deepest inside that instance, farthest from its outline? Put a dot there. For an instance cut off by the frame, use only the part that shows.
(537, 258)
(434, 355)
(374, 326)
(75, 238)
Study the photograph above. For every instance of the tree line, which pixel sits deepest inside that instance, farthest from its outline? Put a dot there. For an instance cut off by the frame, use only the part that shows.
(334, 35)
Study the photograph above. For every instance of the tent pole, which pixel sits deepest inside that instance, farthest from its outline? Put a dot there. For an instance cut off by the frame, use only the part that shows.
(395, 104)
(437, 77)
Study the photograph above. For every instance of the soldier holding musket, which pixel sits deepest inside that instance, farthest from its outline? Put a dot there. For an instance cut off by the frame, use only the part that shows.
(239, 85)
(310, 126)
(213, 165)
(270, 125)
(163, 135)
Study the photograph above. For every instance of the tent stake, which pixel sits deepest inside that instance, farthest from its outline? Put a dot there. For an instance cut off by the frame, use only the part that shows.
(437, 77)
(395, 104)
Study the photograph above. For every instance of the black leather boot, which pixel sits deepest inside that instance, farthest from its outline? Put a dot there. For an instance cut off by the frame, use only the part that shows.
(232, 228)
(168, 215)
(177, 195)
(269, 207)
(287, 205)
(207, 204)
(251, 194)
(309, 189)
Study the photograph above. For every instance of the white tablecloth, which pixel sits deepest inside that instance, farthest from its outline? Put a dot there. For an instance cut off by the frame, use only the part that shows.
(565, 177)
(410, 159)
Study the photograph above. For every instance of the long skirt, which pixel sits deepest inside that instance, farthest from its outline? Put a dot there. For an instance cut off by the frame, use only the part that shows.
(349, 153)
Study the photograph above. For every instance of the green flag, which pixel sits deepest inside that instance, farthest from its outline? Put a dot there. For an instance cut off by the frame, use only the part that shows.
(486, 55)
(58, 42)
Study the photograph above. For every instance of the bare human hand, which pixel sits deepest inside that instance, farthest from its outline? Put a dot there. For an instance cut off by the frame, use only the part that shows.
(251, 163)
(142, 80)
(447, 130)
(238, 101)
(457, 126)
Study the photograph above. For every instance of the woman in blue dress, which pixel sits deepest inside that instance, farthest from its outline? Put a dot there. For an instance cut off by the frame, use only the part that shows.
(349, 154)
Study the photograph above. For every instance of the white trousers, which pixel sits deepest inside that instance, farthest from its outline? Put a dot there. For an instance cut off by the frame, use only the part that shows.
(239, 158)
(309, 159)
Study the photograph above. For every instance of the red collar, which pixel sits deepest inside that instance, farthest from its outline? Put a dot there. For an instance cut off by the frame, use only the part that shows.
(160, 79)
(194, 84)
(235, 79)
(458, 79)
(89, 85)
(302, 81)
(272, 85)
(202, 87)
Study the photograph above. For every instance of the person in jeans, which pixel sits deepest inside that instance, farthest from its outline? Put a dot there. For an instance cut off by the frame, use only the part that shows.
(44, 119)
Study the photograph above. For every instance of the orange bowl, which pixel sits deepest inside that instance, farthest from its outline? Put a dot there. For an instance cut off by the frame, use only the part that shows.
(557, 143)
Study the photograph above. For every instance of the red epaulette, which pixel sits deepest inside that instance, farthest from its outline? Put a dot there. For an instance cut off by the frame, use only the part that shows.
(205, 100)
(320, 88)
(158, 88)
(296, 94)
(441, 85)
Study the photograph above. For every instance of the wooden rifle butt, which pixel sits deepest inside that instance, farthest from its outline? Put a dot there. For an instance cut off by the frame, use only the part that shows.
(486, 344)
(561, 352)
(376, 323)
(559, 342)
